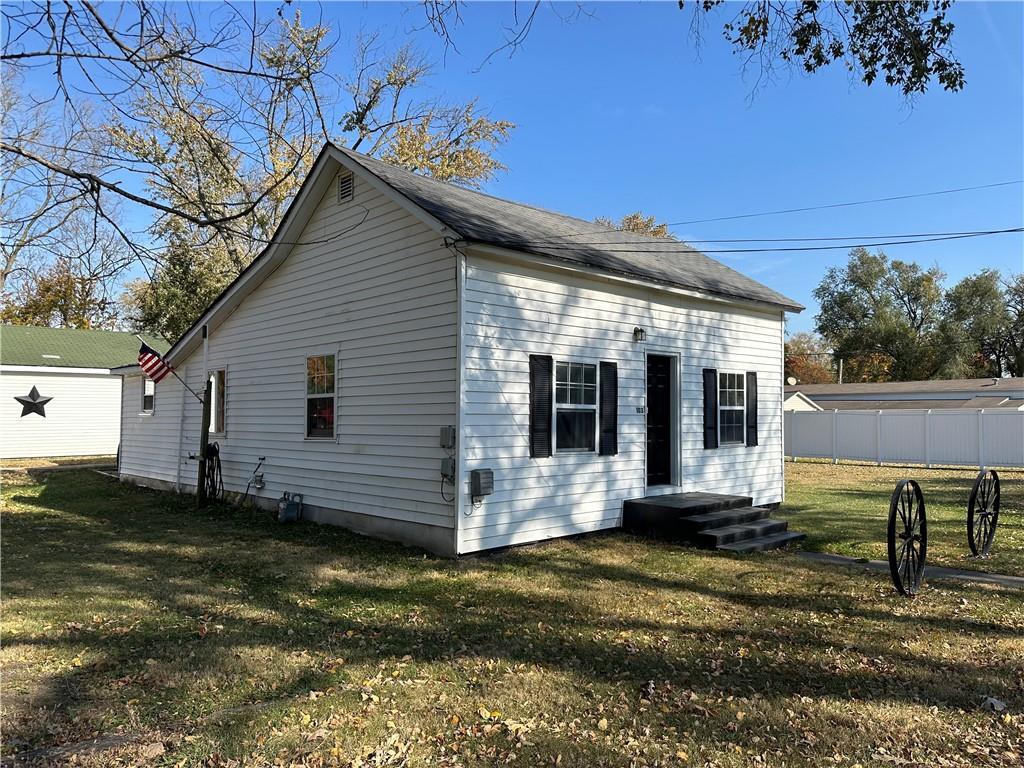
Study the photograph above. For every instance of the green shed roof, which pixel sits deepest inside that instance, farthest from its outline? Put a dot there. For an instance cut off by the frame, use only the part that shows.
(71, 347)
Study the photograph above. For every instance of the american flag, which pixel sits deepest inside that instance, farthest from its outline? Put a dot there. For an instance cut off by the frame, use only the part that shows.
(152, 363)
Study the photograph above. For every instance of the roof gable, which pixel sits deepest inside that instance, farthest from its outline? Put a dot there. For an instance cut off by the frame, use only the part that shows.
(475, 217)
(70, 347)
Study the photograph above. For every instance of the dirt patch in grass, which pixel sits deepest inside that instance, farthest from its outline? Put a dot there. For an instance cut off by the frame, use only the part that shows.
(202, 638)
(843, 509)
(53, 462)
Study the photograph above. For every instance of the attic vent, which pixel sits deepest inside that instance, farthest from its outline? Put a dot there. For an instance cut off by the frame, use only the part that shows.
(346, 187)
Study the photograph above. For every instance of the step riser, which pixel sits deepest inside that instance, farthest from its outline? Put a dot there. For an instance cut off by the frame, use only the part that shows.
(716, 538)
(640, 512)
(730, 517)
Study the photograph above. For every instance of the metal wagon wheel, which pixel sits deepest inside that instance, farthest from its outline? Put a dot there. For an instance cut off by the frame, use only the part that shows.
(908, 537)
(983, 513)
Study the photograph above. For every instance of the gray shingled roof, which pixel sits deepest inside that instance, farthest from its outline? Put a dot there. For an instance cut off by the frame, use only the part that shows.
(481, 218)
(915, 404)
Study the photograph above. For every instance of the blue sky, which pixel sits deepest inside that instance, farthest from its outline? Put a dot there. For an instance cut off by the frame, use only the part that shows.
(618, 111)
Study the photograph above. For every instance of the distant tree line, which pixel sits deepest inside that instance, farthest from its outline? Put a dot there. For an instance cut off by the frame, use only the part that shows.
(892, 320)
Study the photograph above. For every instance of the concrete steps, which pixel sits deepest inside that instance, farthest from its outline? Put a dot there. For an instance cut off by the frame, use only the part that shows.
(712, 521)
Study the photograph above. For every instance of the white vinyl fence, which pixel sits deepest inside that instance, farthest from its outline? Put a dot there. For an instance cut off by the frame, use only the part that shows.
(976, 437)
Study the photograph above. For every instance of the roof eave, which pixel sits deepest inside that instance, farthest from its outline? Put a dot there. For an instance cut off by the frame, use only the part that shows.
(571, 265)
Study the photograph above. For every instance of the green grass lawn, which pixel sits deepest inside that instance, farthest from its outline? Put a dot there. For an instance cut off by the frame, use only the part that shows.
(844, 509)
(219, 638)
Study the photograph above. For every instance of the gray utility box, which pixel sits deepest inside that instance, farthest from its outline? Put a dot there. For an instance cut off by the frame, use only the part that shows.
(481, 482)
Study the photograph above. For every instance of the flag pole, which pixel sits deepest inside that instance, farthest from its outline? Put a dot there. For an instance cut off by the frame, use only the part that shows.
(174, 373)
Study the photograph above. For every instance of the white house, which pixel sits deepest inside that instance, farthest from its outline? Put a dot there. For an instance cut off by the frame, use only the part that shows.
(583, 367)
(59, 396)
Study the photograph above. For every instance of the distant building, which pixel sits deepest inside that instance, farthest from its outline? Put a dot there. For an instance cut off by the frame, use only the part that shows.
(57, 395)
(948, 393)
(798, 401)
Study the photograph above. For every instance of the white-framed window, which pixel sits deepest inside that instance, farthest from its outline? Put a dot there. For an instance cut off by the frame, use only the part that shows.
(321, 394)
(148, 395)
(218, 390)
(575, 412)
(732, 408)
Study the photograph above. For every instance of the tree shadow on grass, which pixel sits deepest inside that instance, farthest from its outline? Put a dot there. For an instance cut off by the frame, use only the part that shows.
(208, 587)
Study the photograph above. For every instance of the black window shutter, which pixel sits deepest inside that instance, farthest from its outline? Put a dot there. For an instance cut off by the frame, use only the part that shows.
(751, 408)
(541, 386)
(710, 408)
(609, 442)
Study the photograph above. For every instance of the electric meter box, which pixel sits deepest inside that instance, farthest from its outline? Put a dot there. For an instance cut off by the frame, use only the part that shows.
(481, 482)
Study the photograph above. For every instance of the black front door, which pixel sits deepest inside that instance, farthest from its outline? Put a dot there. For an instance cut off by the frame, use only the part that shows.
(659, 420)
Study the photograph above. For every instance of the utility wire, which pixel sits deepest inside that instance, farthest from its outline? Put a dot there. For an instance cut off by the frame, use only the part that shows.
(848, 204)
(806, 208)
(827, 239)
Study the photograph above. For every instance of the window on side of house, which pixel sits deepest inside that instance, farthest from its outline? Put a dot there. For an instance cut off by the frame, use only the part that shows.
(218, 388)
(575, 407)
(148, 394)
(731, 408)
(320, 396)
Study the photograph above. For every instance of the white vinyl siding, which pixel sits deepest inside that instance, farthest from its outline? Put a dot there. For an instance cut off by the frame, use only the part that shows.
(377, 288)
(512, 311)
(149, 441)
(82, 419)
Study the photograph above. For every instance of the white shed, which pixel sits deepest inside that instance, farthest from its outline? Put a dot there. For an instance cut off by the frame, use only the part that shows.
(59, 396)
(401, 336)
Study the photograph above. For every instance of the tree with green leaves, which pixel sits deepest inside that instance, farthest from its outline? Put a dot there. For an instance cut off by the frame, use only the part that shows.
(977, 320)
(893, 321)
(60, 296)
(875, 310)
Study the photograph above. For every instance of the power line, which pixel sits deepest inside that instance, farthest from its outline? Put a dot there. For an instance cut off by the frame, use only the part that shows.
(847, 204)
(827, 239)
(846, 246)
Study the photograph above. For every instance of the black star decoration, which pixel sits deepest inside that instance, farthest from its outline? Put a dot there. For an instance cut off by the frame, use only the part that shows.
(33, 403)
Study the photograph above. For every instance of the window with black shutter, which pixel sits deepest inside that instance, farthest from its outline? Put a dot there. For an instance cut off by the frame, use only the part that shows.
(751, 408)
(541, 385)
(710, 408)
(608, 442)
